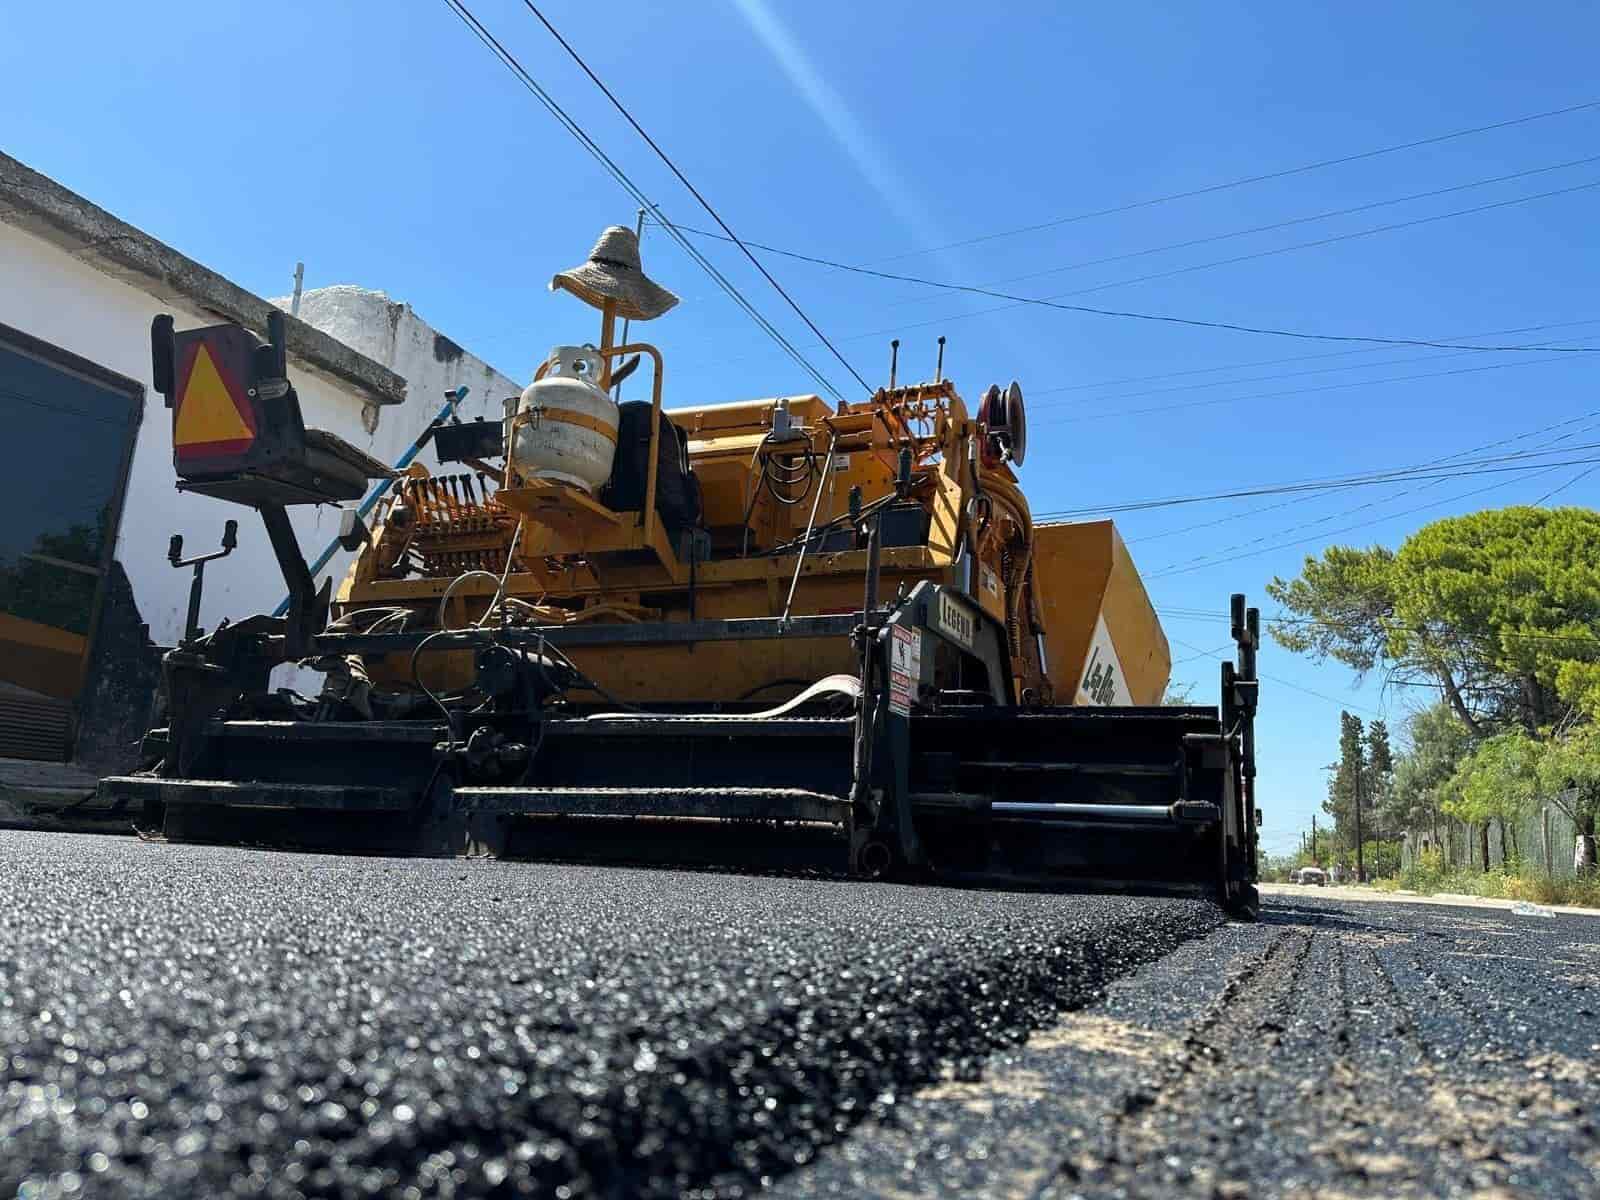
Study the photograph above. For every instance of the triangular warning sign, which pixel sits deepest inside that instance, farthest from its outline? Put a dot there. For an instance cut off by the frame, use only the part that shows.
(207, 412)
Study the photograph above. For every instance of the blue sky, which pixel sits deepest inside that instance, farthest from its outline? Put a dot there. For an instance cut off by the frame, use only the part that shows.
(383, 146)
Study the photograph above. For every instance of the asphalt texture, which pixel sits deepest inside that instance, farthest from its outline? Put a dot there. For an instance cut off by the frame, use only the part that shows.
(1333, 1050)
(201, 1021)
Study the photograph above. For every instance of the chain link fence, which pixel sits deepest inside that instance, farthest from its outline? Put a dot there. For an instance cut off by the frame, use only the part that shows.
(1542, 839)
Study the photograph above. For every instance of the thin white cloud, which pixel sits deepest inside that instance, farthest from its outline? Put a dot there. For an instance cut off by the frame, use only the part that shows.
(835, 114)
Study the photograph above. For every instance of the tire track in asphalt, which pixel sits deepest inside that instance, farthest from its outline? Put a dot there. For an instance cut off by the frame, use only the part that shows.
(1307, 1055)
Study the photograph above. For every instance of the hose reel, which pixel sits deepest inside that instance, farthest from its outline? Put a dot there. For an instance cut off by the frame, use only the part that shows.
(1005, 423)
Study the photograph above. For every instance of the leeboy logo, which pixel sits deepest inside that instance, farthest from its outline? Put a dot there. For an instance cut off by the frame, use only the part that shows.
(1104, 681)
(1100, 680)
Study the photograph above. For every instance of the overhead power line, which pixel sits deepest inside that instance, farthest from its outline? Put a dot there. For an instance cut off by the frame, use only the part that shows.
(510, 62)
(1199, 653)
(1036, 393)
(1211, 189)
(1485, 466)
(1581, 475)
(695, 192)
(1226, 553)
(1306, 220)
(1061, 418)
(1528, 471)
(1200, 241)
(1304, 499)
(1183, 614)
(1531, 470)
(1015, 300)
(1578, 639)
(1293, 358)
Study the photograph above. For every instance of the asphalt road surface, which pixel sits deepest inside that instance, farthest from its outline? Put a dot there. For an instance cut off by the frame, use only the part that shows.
(193, 1021)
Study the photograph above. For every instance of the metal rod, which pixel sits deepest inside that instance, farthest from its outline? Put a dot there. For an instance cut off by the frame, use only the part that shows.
(894, 360)
(827, 465)
(648, 517)
(191, 627)
(1155, 813)
(938, 370)
(452, 399)
(736, 629)
(638, 236)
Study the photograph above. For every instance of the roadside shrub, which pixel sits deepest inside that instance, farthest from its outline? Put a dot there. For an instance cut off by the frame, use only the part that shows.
(1425, 874)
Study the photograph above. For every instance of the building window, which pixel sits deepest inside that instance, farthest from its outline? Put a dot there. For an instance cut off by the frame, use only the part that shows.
(69, 432)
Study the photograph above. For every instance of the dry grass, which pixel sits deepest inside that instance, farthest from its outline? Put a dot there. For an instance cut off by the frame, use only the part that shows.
(1429, 876)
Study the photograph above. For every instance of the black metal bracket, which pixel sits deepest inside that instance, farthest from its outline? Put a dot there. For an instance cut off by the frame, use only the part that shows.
(230, 532)
(308, 608)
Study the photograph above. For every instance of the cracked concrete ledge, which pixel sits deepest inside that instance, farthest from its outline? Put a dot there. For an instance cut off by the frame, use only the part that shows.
(39, 205)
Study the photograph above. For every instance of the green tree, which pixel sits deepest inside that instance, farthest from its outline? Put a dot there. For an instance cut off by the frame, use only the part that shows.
(1423, 775)
(1378, 782)
(1345, 781)
(1178, 695)
(1493, 608)
(1569, 772)
(1496, 783)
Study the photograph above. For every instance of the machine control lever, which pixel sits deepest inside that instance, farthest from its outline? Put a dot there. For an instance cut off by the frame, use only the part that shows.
(230, 539)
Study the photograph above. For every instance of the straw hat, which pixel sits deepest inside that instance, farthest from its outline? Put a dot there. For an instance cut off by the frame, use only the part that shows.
(613, 274)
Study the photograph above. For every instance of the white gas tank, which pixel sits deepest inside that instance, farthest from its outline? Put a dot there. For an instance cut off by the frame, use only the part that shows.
(570, 432)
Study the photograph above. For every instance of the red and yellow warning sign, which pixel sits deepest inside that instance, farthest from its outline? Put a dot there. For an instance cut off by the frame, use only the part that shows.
(212, 417)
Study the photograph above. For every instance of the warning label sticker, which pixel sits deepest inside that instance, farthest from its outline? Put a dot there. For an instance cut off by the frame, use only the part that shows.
(905, 667)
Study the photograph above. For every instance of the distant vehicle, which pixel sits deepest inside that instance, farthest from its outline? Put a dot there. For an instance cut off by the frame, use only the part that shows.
(1309, 875)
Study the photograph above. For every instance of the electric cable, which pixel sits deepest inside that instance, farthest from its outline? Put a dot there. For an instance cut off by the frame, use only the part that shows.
(1273, 362)
(1210, 558)
(1581, 475)
(1486, 466)
(1190, 243)
(1061, 418)
(1527, 472)
(1336, 488)
(511, 63)
(1056, 399)
(1055, 301)
(1211, 189)
(695, 192)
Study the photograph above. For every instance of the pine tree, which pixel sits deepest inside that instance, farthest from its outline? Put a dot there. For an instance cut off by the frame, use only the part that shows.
(1377, 785)
(1340, 804)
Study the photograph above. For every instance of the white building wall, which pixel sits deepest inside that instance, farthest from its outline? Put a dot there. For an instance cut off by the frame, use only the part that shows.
(389, 332)
(51, 295)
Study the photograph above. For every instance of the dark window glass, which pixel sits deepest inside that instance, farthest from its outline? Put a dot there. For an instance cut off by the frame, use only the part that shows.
(65, 438)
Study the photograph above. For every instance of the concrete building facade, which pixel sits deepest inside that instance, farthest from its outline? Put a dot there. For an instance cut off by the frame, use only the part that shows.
(87, 596)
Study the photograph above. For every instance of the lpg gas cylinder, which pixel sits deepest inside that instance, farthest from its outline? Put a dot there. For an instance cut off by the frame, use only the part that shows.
(566, 426)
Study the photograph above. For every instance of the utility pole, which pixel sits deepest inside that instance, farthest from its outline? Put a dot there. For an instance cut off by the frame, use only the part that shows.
(1314, 859)
(1361, 872)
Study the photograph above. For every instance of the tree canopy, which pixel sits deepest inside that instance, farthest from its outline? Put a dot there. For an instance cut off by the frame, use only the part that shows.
(1497, 780)
(1424, 775)
(1498, 608)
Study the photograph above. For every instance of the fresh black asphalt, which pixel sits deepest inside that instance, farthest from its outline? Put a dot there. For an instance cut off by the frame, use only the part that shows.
(199, 1021)
(1333, 1050)
(193, 1021)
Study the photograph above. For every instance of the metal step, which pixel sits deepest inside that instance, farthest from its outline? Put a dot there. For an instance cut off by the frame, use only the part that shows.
(228, 793)
(728, 804)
